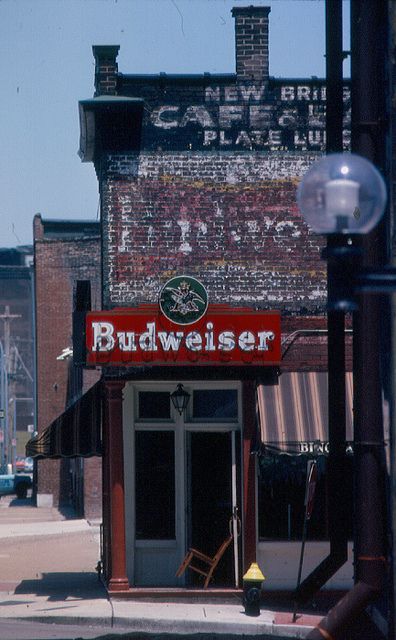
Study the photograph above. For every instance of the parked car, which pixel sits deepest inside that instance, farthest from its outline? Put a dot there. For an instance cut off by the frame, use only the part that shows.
(20, 464)
(29, 465)
(15, 484)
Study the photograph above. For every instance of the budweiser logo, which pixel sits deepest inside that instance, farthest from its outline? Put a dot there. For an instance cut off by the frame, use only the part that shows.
(145, 335)
(106, 338)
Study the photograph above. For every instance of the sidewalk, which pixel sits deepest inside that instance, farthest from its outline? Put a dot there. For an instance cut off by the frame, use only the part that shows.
(48, 575)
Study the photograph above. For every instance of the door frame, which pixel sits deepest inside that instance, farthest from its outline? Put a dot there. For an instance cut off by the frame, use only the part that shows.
(180, 426)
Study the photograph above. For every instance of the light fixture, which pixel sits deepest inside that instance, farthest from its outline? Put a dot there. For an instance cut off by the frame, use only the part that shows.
(342, 193)
(180, 398)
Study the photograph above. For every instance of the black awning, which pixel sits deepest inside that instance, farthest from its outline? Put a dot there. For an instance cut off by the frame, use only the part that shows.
(293, 414)
(75, 433)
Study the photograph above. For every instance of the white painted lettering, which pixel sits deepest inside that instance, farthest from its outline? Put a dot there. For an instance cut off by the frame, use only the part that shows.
(170, 341)
(303, 93)
(147, 341)
(246, 341)
(103, 339)
(317, 115)
(252, 92)
(160, 119)
(288, 118)
(230, 94)
(209, 346)
(263, 337)
(317, 138)
(287, 93)
(229, 115)
(212, 94)
(198, 115)
(224, 142)
(209, 137)
(194, 341)
(226, 341)
(126, 340)
(275, 138)
(261, 116)
(243, 140)
(300, 139)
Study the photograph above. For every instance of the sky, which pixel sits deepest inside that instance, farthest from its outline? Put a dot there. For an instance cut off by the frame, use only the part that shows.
(46, 67)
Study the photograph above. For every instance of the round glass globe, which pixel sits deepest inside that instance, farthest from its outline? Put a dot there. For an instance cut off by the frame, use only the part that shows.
(342, 193)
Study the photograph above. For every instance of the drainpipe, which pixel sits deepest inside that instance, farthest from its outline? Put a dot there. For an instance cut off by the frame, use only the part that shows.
(370, 84)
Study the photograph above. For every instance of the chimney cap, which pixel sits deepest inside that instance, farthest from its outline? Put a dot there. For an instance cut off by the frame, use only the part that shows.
(105, 51)
(251, 10)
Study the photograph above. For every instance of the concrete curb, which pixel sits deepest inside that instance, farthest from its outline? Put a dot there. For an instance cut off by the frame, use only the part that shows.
(158, 626)
(22, 530)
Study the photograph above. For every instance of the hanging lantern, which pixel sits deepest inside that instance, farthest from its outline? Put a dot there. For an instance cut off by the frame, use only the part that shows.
(180, 398)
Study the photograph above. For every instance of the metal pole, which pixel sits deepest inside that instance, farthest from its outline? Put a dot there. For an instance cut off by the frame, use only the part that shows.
(370, 110)
(336, 330)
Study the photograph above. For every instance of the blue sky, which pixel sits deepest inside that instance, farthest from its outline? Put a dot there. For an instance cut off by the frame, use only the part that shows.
(46, 66)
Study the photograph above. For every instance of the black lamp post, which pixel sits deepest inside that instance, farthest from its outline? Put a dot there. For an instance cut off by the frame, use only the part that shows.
(180, 398)
(341, 196)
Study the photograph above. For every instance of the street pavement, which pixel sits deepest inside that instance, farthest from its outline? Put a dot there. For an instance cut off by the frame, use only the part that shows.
(48, 561)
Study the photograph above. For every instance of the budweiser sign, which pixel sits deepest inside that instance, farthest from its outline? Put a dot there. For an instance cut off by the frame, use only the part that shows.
(145, 335)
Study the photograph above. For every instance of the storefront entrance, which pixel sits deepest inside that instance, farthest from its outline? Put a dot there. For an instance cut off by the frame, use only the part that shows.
(186, 483)
(212, 500)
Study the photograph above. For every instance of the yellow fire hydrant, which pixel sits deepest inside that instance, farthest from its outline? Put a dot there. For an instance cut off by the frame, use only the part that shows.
(252, 581)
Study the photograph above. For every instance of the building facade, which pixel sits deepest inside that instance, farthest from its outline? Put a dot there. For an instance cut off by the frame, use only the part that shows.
(16, 353)
(212, 281)
(64, 252)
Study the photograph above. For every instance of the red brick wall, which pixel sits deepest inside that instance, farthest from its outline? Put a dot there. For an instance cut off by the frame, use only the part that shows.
(58, 263)
(230, 219)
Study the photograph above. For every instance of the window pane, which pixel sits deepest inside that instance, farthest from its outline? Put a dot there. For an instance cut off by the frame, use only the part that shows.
(154, 405)
(155, 485)
(281, 494)
(215, 404)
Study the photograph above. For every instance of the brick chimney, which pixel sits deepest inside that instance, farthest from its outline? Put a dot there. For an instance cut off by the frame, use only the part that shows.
(251, 43)
(106, 69)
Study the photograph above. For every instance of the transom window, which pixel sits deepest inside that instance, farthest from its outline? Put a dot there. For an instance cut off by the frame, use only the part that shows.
(215, 404)
(154, 405)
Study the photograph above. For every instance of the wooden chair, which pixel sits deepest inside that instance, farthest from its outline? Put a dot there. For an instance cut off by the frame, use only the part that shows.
(194, 554)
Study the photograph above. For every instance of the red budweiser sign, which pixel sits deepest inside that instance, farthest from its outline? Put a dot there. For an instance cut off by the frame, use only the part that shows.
(144, 335)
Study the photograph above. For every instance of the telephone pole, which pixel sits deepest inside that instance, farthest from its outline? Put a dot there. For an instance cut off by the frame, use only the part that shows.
(9, 435)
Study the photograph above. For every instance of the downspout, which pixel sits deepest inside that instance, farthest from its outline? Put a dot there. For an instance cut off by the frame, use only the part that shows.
(369, 44)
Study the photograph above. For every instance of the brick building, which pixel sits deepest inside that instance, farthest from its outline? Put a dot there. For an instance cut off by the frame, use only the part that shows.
(213, 290)
(64, 252)
(16, 363)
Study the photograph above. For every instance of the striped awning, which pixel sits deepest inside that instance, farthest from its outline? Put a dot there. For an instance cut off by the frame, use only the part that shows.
(75, 433)
(293, 414)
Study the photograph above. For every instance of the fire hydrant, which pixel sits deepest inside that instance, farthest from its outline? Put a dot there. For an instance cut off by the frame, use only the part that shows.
(252, 581)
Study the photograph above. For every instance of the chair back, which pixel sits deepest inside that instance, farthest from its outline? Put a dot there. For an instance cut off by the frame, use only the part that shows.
(220, 551)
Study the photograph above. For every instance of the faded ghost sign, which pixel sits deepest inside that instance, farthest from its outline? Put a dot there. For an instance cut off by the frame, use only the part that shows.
(278, 117)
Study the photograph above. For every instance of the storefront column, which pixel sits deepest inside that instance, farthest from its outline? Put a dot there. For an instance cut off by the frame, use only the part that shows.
(249, 473)
(113, 436)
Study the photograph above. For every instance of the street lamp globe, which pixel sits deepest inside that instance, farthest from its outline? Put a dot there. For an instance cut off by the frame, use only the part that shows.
(342, 193)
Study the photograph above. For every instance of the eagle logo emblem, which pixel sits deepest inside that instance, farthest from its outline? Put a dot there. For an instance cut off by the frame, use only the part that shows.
(183, 300)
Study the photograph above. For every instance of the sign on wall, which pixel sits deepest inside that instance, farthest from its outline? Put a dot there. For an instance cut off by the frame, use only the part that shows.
(275, 116)
(144, 335)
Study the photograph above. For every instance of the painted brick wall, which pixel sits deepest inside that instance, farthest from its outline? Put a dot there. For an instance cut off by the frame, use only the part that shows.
(59, 261)
(230, 219)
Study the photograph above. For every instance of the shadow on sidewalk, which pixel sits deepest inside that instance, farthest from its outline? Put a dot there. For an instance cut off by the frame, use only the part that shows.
(21, 502)
(62, 585)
